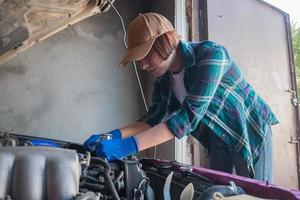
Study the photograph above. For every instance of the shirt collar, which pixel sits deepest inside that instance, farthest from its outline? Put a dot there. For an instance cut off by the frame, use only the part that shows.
(188, 54)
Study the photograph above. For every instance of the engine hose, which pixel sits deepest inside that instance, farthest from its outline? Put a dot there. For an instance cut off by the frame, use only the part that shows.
(92, 186)
(90, 179)
(93, 173)
(87, 196)
(109, 182)
(120, 175)
(226, 191)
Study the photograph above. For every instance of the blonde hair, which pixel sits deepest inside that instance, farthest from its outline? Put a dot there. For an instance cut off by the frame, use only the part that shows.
(166, 43)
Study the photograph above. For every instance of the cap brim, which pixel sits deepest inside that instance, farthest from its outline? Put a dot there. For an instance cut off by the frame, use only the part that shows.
(137, 53)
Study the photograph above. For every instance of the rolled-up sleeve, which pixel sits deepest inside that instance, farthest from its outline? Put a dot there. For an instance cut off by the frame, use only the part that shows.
(211, 65)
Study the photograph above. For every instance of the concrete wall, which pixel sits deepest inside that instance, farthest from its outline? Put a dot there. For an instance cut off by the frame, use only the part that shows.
(69, 85)
(256, 37)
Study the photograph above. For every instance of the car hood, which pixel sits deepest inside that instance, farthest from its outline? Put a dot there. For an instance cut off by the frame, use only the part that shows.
(26, 22)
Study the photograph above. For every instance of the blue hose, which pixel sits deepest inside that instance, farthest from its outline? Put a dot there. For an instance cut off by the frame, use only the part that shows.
(40, 142)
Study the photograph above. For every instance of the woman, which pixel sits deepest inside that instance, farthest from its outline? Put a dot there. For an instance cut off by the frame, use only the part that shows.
(199, 90)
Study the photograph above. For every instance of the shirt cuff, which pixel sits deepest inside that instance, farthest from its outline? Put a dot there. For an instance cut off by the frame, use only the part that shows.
(178, 126)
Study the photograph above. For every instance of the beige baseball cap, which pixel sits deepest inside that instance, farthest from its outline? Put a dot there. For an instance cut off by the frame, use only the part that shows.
(142, 32)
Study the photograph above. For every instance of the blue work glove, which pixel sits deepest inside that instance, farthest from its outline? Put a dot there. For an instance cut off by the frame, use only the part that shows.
(117, 149)
(91, 142)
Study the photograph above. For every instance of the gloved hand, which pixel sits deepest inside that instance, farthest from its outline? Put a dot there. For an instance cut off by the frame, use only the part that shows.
(117, 149)
(91, 142)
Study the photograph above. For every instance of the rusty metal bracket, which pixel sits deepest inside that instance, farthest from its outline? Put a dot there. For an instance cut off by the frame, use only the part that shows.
(294, 140)
(294, 99)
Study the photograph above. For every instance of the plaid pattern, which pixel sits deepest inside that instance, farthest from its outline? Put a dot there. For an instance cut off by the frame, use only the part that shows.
(218, 97)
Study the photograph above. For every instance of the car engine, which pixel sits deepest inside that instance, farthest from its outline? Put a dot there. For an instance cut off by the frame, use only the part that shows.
(36, 168)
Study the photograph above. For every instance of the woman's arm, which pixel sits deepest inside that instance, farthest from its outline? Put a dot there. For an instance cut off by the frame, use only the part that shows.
(154, 136)
(117, 149)
(134, 129)
(211, 65)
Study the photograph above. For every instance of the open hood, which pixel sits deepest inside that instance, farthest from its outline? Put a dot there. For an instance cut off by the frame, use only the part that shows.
(26, 22)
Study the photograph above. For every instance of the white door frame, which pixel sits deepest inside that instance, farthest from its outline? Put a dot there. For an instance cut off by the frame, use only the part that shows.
(182, 149)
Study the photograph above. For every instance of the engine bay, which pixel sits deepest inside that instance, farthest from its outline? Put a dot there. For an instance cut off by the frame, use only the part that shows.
(36, 168)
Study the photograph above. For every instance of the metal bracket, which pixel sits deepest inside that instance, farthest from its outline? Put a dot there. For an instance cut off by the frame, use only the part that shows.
(294, 140)
(294, 99)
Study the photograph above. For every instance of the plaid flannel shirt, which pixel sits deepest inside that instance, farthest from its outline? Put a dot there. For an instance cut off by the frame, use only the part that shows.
(218, 97)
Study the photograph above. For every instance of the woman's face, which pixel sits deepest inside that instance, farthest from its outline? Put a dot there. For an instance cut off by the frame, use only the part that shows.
(154, 63)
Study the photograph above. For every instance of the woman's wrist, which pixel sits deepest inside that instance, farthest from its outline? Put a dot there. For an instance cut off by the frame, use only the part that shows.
(116, 134)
